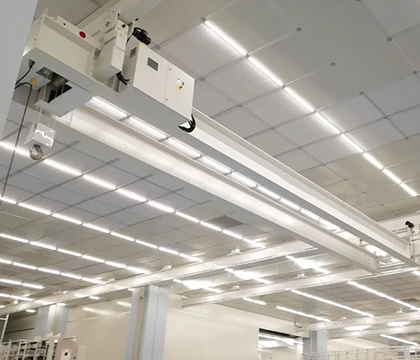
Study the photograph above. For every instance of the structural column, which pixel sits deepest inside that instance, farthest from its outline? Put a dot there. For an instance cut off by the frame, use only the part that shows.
(17, 20)
(51, 319)
(147, 327)
(316, 345)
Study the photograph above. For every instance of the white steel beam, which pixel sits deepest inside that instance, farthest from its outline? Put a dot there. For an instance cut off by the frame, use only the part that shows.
(376, 331)
(411, 316)
(14, 28)
(161, 157)
(276, 288)
(250, 257)
(312, 196)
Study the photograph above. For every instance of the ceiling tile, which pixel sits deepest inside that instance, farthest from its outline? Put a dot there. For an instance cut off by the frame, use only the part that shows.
(84, 187)
(146, 189)
(407, 121)
(352, 113)
(405, 41)
(321, 175)
(77, 160)
(134, 166)
(398, 96)
(125, 217)
(97, 150)
(64, 195)
(394, 17)
(305, 130)
(276, 108)
(176, 201)
(351, 166)
(407, 205)
(146, 211)
(361, 201)
(371, 181)
(201, 50)
(242, 122)
(388, 194)
(272, 142)
(375, 135)
(242, 81)
(253, 24)
(343, 190)
(29, 183)
(114, 175)
(209, 100)
(298, 160)
(195, 194)
(407, 171)
(330, 149)
(398, 152)
(379, 213)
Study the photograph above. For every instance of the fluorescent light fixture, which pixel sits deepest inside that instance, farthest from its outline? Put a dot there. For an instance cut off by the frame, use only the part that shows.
(352, 143)
(121, 236)
(182, 148)
(137, 270)
(267, 192)
(217, 291)
(45, 246)
(357, 328)
(328, 225)
(400, 340)
(33, 286)
(4, 295)
(92, 258)
(226, 38)
(131, 195)
(376, 251)
(66, 218)
(160, 206)
(68, 252)
(373, 161)
(299, 99)
(94, 180)
(281, 308)
(14, 238)
(233, 234)
(26, 266)
(398, 323)
(243, 180)
(310, 214)
(290, 204)
(107, 108)
(214, 165)
(7, 262)
(382, 295)
(49, 271)
(145, 128)
(97, 228)
(124, 304)
(416, 272)
(259, 302)
(178, 281)
(211, 226)
(329, 302)
(187, 217)
(327, 123)
(70, 275)
(115, 264)
(169, 251)
(94, 298)
(265, 71)
(11, 147)
(11, 282)
(408, 189)
(35, 208)
(61, 304)
(392, 176)
(144, 243)
(253, 243)
(307, 264)
(189, 257)
(31, 311)
(7, 200)
(93, 281)
(64, 168)
(22, 298)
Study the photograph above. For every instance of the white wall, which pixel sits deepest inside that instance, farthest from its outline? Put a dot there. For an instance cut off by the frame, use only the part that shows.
(283, 353)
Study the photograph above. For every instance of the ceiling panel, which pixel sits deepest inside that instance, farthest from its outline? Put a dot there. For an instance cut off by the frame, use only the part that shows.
(272, 142)
(298, 160)
(321, 175)
(330, 149)
(407, 121)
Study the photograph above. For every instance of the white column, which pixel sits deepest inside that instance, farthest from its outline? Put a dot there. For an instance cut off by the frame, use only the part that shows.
(16, 20)
(44, 321)
(315, 345)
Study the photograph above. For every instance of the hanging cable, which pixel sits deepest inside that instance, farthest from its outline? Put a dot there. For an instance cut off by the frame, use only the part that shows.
(17, 137)
(31, 65)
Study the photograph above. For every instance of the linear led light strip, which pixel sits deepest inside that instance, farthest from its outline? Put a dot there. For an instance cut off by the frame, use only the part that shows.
(332, 303)
(75, 254)
(279, 338)
(308, 106)
(282, 308)
(21, 283)
(22, 298)
(382, 295)
(307, 264)
(185, 283)
(258, 302)
(245, 275)
(399, 340)
(107, 185)
(49, 271)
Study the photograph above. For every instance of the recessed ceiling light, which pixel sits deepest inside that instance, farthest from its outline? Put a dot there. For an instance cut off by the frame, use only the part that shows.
(282, 308)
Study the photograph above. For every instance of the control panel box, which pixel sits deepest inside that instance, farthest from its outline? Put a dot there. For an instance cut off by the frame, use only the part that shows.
(153, 75)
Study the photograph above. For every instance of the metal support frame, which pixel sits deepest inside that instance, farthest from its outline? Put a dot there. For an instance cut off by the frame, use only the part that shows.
(376, 331)
(276, 288)
(181, 272)
(303, 191)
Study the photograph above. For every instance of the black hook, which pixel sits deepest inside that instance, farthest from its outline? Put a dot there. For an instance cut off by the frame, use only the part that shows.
(192, 124)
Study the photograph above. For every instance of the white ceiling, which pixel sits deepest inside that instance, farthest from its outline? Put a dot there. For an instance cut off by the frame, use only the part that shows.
(356, 62)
